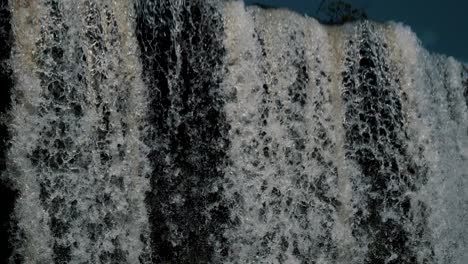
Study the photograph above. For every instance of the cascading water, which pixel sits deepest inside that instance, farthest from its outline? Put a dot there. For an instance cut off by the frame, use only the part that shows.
(172, 131)
(76, 153)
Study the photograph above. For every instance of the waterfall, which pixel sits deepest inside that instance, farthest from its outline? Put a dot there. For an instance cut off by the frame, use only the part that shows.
(77, 153)
(206, 131)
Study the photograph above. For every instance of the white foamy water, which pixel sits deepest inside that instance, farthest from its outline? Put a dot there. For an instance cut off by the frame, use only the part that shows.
(211, 132)
(348, 143)
(77, 156)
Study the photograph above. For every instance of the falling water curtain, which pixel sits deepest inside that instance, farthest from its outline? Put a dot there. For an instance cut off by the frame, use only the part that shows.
(176, 131)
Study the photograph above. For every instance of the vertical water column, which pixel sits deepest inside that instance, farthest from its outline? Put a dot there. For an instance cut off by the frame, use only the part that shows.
(117, 108)
(282, 178)
(465, 82)
(434, 93)
(389, 223)
(246, 107)
(77, 156)
(182, 55)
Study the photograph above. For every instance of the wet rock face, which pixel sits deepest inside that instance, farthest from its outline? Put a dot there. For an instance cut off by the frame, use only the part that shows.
(5, 74)
(154, 131)
(7, 192)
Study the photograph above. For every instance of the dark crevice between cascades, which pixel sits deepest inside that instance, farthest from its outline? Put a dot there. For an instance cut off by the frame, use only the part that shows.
(375, 140)
(465, 83)
(7, 192)
(188, 137)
